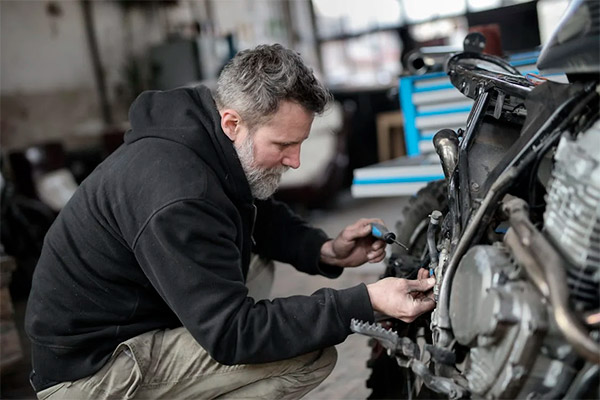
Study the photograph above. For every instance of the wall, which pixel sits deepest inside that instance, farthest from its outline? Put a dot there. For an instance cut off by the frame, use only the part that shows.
(41, 57)
(42, 52)
(47, 86)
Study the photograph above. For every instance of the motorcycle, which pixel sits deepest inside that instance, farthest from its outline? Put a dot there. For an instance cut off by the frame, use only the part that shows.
(512, 235)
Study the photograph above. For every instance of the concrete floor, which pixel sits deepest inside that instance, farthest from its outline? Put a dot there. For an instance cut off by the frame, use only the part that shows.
(347, 380)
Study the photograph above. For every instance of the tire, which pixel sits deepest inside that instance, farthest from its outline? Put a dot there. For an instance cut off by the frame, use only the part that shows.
(388, 380)
(414, 217)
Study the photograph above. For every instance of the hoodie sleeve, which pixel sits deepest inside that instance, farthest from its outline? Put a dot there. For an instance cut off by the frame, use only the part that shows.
(282, 235)
(198, 273)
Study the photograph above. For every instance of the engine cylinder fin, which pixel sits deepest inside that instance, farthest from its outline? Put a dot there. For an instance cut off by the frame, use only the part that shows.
(572, 216)
(583, 287)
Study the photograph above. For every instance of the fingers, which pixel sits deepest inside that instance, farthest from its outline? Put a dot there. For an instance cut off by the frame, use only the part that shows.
(377, 252)
(422, 295)
(420, 285)
(393, 297)
(361, 228)
(376, 256)
(420, 306)
(378, 244)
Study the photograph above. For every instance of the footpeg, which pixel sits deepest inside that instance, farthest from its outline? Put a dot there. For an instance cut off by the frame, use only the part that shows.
(408, 355)
(400, 347)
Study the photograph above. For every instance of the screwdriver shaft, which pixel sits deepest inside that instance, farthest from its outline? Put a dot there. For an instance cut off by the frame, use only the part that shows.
(400, 244)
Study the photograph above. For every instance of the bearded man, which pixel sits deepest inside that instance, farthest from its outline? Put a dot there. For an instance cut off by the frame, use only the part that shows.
(141, 288)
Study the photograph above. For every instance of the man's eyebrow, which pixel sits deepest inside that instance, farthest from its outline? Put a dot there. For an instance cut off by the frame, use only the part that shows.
(289, 143)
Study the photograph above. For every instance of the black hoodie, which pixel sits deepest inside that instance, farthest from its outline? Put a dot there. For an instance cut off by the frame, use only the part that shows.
(160, 235)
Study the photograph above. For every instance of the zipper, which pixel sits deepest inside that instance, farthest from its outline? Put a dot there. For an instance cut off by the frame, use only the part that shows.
(255, 212)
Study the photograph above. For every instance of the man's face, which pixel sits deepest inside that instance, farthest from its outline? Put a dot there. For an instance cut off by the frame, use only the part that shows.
(271, 149)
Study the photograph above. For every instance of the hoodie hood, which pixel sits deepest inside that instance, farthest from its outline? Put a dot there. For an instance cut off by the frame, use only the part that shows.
(189, 116)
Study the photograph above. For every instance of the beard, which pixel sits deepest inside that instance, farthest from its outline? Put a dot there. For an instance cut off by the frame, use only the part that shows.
(263, 181)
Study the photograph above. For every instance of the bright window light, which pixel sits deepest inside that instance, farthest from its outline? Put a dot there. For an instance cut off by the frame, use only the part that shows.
(480, 5)
(351, 16)
(423, 10)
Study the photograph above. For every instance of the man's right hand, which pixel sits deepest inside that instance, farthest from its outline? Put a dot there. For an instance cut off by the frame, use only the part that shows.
(402, 298)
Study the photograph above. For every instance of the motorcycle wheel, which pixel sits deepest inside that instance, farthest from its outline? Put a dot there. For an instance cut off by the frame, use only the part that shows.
(411, 227)
(387, 379)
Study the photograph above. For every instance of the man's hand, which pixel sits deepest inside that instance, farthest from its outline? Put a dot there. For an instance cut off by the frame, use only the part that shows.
(354, 246)
(401, 298)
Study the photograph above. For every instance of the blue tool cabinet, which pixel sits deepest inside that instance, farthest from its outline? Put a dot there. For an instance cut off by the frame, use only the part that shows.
(429, 103)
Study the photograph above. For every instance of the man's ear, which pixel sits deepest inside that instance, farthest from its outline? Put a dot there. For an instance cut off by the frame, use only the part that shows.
(230, 121)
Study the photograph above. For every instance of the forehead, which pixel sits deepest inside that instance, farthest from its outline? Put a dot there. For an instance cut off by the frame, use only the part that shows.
(291, 121)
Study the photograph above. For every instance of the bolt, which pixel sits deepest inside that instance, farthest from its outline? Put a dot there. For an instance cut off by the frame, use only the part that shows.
(474, 186)
(563, 351)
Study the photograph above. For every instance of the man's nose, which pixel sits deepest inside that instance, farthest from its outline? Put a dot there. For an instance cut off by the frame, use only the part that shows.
(292, 158)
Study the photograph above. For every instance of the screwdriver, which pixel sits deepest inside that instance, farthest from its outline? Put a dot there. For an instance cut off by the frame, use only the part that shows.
(381, 232)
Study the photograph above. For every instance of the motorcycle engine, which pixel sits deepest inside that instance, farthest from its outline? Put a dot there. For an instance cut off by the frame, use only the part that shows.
(501, 317)
(496, 312)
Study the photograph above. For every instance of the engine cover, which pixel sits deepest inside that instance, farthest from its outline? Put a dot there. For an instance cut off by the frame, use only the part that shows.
(500, 316)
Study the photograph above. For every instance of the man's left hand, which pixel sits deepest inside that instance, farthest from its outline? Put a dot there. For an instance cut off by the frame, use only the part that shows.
(354, 246)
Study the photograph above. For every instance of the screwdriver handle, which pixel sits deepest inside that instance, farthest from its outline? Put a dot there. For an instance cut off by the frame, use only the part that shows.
(382, 232)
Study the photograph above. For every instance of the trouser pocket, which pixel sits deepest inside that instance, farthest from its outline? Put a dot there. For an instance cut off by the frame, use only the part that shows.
(119, 378)
(51, 391)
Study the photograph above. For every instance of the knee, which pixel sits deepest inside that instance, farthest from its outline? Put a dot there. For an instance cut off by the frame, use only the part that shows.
(326, 362)
(330, 357)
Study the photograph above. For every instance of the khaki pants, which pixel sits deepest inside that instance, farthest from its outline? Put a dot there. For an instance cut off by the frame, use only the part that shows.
(170, 364)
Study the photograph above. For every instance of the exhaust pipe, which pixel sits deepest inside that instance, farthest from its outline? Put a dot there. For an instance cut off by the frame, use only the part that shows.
(446, 146)
(533, 251)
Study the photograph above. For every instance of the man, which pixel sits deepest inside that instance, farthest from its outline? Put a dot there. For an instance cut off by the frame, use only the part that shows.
(140, 289)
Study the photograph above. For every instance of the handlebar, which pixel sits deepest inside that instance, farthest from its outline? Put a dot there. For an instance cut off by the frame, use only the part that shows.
(467, 75)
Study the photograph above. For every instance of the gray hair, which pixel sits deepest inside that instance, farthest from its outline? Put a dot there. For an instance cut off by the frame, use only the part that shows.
(254, 83)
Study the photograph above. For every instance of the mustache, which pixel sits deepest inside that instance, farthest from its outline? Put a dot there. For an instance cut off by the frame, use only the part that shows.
(279, 170)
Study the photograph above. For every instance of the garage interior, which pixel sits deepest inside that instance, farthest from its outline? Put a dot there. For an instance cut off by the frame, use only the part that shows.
(71, 68)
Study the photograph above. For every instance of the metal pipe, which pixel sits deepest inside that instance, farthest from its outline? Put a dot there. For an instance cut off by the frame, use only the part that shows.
(434, 224)
(583, 382)
(439, 268)
(551, 263)
(446, 146)
(469, 77)
(428, 59)
(90, 30)
(454, 209)
(528, 262)
(512, 85)
(474, 122)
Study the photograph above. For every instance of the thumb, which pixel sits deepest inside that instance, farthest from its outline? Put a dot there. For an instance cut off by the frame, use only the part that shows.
(421, 285)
